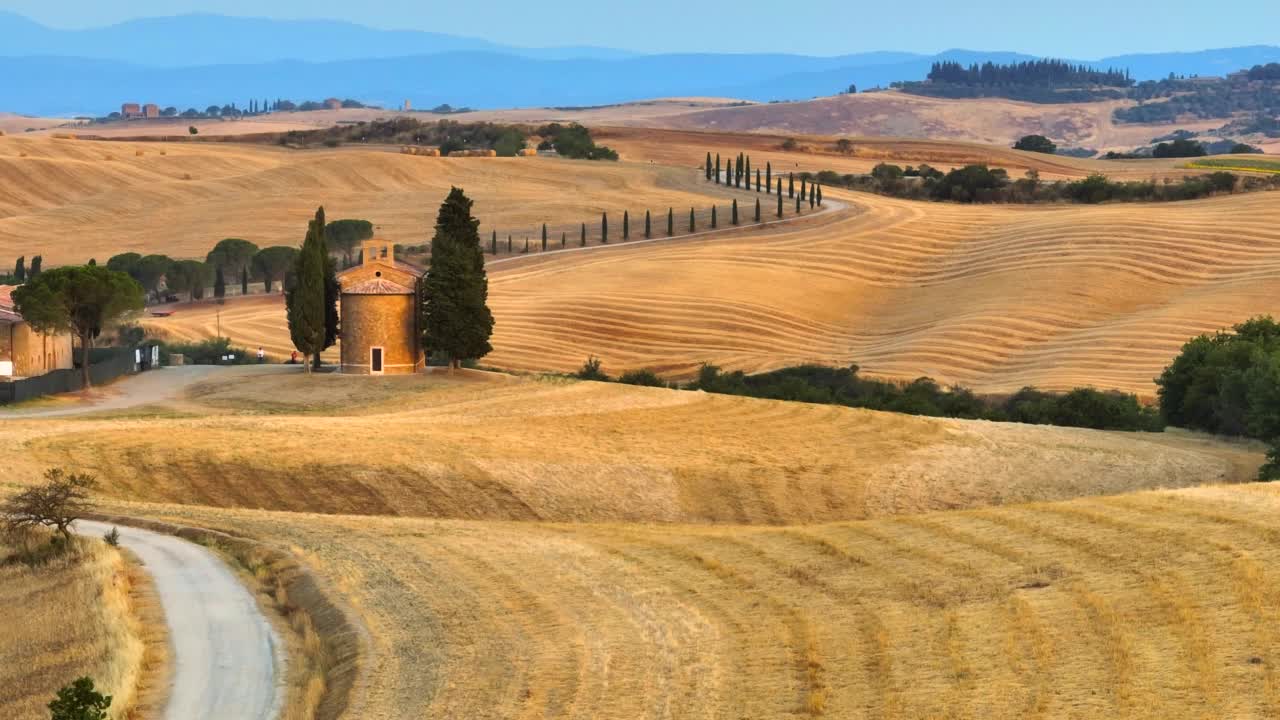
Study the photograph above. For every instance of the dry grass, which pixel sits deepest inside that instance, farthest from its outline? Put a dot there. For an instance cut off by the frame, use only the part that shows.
(88, 613)
(181, 198)
(482, 446)
(1148, 605)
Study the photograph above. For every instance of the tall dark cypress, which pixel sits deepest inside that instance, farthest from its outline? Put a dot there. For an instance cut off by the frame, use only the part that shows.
(304, 299)
(803, 194)
(244, 281)
(671, 221)
(564, 237)
(456, 316)
(768, 177)
(791, 185)
(797, 204)
(508, 243)
(647, 227)
(819, 196)
(757, 209)
(717, 168)
(692, 225)
(813, 197)
(747, 172)
(626, 225)
(219, 283)
(713, 217)
(735, 211)
(779, 197)
(708, 165)
(584, 235)
(544, 237)
(604, 228)
(757, 179)
(493, 243)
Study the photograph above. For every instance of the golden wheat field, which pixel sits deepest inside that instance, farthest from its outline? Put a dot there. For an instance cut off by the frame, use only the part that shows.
(72, 617)
(1150, 605)
(71, 200)
(487, 446)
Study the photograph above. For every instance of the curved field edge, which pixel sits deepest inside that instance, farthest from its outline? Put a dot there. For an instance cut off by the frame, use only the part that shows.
(323, 642)
(1157, 603)
(92, 615)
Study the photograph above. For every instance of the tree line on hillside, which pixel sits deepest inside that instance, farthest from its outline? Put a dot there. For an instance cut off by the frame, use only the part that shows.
(253, 108)
(1082, 407)
(983, 184)
(572, 141)
(1042, 81)
(21, 271)
(1255, 93)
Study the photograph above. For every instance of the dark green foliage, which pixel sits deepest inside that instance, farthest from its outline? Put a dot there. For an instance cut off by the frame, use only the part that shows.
(1179, 148)
(717, 175)
(509, 142)
(707, 166)
(648, 225)
(493, 243)
(1226, 383)
(734, 211)
(574, 141)
(757, 209)
(591, 370)
(1044, 81)
(219, 283)
(791, 185)
(671, 222)
(691, 222)
(80, 701)
(190, 276)
(584, 235)
(305, 297)
(713, 217)
(563, 238)
(626, 225)
(1036, 143)
(819, 195)
(345, 236)
(779, 198)
(1270, 470)
(232, 255)
(972, 183)
(544, 237)
(604, 227)
(757, 179)
(643, 377)
(1243, 149)
(768, 177)
(244, 281)
(456, 314)
(206, 352)
(843, 386)
(272, 264)
(81, 300)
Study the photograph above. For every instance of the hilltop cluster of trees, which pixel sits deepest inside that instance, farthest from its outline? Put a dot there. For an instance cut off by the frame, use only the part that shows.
(22, 272)
(253, 108)
(1256, 92)
(1082, 407)
(982, 184)
(573, 141)
(1228, 383)
(1044, 81)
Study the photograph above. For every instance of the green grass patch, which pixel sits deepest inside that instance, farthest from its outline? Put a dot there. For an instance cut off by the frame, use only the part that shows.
(1242, 164)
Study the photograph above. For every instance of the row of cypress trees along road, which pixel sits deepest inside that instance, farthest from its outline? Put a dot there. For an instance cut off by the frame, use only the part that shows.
(738, 173)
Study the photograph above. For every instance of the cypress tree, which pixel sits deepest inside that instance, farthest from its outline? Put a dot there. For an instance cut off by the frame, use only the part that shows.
(757, 209)
(604, 228)
(802, 188)
(244, 281)
(734, 215)
(544, 237)
(717, 168)
(219, 283)
(304, 299)
(757, 179)
(747, 172)
(691, 222)
(768, 177)
(779, 187)
(713, 217)
(563, 238)
(456, 315)
(791, 185)
(813, 197)
(332, 291)
(526, 245)
(779, 197)
(797, 204)
(37, 263)
(671, 222)
(647, 227)
(508, 242)
(819, 196)
(493, 244)
(708, 165)
(626, 225)
(20, 269)
(584, 235)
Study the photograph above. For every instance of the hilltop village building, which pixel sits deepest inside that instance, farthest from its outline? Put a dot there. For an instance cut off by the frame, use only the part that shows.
(25, 352)
(379, 310)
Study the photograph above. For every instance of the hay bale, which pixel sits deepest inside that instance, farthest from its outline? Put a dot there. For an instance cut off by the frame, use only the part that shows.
(490, 153)
(164, 152)
(139, 153)
(430, 152)
(64, 136)
(528, 152)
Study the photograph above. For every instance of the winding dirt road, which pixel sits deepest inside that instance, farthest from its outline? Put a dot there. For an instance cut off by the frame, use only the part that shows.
(227, 660)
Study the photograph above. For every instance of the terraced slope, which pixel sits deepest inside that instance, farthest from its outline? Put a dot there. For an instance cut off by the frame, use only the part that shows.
(488, 446)
(75, 199)
(993, 297)
(1150, 605)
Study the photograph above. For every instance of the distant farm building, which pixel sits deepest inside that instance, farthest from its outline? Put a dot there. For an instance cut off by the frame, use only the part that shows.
(408, 106)
(130, 110)
(379, 311)
(333, 104)
(151, 110)
(25, 352)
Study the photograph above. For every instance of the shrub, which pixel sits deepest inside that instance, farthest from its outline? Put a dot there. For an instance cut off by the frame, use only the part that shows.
(643, 377)
(591, 370)
(790, 144)
(206, 352)
(112, 537)
(62, 499)
(80, 701)
(1036, 143)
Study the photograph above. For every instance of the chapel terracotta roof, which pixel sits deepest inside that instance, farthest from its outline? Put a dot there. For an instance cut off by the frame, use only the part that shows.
(376, 286)
(411, 268)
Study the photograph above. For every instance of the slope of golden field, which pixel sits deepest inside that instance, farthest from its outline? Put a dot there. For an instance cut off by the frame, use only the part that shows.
(1159, 605)
(70, 618)
(75, 199)
(487, 446)
(993, 297)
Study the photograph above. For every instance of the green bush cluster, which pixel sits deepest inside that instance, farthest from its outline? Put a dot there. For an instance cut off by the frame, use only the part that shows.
(573, 141)
(206, 352)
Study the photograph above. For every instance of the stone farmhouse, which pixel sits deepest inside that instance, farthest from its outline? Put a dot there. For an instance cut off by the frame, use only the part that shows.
(25, 352)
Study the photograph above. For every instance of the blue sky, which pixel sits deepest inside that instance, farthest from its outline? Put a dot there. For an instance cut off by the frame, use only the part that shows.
(1084, 29)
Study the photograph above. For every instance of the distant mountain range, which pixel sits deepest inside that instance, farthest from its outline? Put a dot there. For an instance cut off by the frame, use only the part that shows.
(187, 61)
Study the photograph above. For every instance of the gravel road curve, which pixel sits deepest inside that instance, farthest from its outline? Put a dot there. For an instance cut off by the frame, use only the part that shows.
(226, 656)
